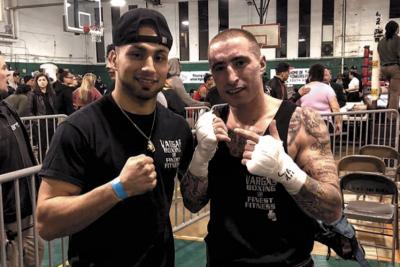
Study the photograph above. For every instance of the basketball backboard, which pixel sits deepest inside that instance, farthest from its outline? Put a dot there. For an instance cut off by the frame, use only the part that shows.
(81, 13)
(267, 35)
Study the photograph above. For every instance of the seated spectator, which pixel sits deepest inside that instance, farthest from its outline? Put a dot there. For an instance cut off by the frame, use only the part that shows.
(353, 90)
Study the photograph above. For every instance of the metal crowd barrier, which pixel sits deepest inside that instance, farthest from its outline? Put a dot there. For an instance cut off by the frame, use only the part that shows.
(41, 130)
(55, 251)
(364, 127)
(193, 113)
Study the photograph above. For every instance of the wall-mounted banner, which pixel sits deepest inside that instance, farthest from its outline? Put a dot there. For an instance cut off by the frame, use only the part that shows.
(296, 76)
(193, 76)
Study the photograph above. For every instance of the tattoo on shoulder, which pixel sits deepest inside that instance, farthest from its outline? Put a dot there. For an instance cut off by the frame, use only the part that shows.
(294, 126)
(315, 126)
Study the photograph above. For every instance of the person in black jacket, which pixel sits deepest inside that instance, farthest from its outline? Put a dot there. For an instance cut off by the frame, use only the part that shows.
(63, 88)
(16, 154)
(276, 87)
(277, 83)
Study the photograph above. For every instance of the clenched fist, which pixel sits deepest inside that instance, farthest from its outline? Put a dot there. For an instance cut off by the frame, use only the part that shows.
(138, 175)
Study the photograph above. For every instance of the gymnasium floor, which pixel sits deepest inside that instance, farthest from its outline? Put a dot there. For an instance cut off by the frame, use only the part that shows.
(190, 250)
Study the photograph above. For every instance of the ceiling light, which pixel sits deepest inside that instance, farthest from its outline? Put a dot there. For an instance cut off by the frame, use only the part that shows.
(185, 23)
(118, 2)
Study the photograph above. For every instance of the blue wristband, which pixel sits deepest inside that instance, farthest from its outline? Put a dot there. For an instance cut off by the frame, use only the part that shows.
(118, 188)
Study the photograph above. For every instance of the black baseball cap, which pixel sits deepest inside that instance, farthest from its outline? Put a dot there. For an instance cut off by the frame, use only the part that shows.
(126, 30)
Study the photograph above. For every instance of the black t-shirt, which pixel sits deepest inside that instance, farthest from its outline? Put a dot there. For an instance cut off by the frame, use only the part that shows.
(89, 149)
(253, 220)
(15, 154)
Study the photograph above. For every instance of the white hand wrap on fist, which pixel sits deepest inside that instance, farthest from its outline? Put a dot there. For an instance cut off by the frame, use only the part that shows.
(206, 145)
(269, 159)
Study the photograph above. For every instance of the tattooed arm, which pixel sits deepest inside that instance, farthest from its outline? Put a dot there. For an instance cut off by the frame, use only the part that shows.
(308, 144)
(194, 185)
(194, 191)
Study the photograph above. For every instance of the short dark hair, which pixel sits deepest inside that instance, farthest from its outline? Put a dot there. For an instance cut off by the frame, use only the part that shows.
(391, 28)
(282, 67)
(16, 73)
(207, 76)
(229, 33)
(110, 47)
(316, 73)
(353, 73)
(27, 78)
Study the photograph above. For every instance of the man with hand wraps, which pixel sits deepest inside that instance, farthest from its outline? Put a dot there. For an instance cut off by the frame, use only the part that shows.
(264, 164)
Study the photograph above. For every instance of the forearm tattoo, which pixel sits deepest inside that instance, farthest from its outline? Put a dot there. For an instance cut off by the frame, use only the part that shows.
(194, 191)
(320, 196)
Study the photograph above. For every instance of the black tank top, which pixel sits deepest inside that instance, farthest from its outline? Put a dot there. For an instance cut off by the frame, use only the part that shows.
(253, 220)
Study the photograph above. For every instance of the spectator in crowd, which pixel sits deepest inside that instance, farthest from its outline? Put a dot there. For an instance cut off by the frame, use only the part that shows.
(176, 84)
(353, 91)
(339, 79)
(86, 93)
(13, 82)
(322, 97)
(338, 88)
(64, 88)
(29, 80)
(354, 70)
(277, 83)
(19, 101)
(42, 102)
(109, 68)
(389, 54)
(213, 97)
(272, 155)
(276, 87)
(119, 157)
(100, 86)
(206, 86)
(16, 154)
(174, 103)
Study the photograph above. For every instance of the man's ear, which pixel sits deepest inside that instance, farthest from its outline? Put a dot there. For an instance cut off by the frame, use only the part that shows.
(263, 64)
(112, 58)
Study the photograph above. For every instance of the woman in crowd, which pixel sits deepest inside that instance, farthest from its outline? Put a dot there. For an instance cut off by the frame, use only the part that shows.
(42, 102)
(86, 93)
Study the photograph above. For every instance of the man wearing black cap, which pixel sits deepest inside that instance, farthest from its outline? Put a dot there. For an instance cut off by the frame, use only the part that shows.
(108, 177)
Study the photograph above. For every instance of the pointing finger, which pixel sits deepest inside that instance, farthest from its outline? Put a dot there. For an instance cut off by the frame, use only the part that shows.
(248, 135)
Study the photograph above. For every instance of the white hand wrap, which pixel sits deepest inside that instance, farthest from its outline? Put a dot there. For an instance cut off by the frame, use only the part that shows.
(269, 159)
(206, 145)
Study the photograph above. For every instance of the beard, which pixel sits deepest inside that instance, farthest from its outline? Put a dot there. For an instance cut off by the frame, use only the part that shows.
(142, 94)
